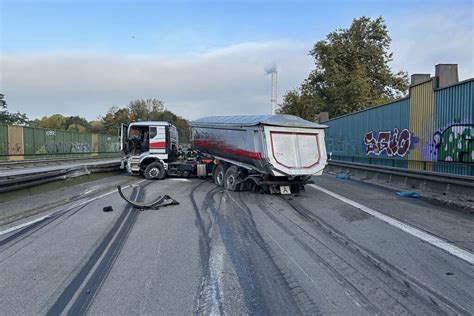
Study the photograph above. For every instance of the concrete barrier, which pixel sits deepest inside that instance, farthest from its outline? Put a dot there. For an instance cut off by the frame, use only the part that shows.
(445, 188)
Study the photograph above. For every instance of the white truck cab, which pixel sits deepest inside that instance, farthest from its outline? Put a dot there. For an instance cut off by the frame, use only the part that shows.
(148, 147)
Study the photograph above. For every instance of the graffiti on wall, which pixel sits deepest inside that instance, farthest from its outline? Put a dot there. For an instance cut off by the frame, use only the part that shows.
(342, 145)
(392, 143)
(15, 149)
(454, 143)
(64, 147)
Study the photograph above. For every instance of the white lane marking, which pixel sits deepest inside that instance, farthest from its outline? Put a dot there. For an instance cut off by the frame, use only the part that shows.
(12, 229)
(23, 225)
(179, 179)
(90, 190)
(433, 240)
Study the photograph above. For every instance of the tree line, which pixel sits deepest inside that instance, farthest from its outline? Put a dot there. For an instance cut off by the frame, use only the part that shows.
(109, 123)
(351, 73)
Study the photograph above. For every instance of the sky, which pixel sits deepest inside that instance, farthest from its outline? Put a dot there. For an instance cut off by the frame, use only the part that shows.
(81, 57)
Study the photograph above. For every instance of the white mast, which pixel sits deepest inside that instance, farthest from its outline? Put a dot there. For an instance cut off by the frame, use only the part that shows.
(273, 71)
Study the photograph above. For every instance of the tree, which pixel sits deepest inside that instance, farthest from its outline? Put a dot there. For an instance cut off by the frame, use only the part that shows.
(351, 72)
(11, 118)
(96, 127)
(74, 123)
(114, 118)
(55, 121)
(302, 102)
(144, 110)
(77, 128)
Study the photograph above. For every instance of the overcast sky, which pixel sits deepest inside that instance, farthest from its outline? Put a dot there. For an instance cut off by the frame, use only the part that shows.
(200, 57)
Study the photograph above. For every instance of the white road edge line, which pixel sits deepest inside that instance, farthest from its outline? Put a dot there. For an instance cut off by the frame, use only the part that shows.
(12, 229)
(433, 240)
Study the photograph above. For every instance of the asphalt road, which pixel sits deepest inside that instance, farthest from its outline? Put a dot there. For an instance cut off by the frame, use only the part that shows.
(221, 252)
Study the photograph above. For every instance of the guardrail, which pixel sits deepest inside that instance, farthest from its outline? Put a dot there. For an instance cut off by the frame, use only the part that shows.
(55, 160)
(442, 187)
(26, 180)
(451, 167)
(403, 172)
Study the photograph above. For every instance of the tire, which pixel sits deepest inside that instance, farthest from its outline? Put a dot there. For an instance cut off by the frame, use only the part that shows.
(219, 174)
(231, 179)
(155, 171)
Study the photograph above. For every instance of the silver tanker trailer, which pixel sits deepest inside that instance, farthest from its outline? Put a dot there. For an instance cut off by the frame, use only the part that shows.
(274, 153)
(269, 153)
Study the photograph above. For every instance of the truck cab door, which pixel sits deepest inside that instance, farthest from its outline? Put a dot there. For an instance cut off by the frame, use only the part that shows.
(123, 136)
(157, 143)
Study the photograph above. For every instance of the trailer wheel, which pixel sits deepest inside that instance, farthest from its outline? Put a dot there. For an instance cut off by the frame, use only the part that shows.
(219, 174)
(155, 170)
(231, 178)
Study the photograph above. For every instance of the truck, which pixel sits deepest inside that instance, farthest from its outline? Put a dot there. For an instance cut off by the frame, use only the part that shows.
(267, 153)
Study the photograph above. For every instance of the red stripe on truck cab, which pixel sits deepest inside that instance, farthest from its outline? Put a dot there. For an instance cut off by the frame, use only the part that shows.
(158, 144)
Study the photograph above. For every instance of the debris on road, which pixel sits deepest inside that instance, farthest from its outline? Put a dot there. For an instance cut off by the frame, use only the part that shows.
(164, 200)
(107, 209)
(411, 194)
(343, 176)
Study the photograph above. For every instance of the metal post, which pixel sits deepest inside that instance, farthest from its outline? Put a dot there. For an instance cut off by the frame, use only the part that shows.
(274, 91)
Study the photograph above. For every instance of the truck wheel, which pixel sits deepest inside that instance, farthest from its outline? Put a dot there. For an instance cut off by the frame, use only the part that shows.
(231, 178)
(219, 174)
(155, 170)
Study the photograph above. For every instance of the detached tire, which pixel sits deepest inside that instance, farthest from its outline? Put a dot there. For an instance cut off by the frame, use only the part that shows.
(219, 174)
(155, 171)
(231, 178)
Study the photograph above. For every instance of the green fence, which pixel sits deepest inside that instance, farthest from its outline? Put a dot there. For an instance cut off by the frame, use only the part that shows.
(3, 142)
(18, 143)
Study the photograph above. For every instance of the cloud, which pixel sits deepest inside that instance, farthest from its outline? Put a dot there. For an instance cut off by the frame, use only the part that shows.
(226, 80)
(229, 80)
(424, 40)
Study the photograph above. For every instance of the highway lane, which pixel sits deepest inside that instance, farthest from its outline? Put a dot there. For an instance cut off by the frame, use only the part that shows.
(237, 252)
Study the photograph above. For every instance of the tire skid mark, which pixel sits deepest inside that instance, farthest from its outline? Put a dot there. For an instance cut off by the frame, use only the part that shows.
(304, 302)
(334, 270)
(86, 296)
(23, 233)
(63, 204)
(66, 208)
(228, 239)
(206, 297)
(258, 277)
(106, 252)
(404, 282)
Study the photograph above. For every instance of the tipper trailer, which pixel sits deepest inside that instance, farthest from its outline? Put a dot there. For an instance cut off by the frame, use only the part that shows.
(271, 153)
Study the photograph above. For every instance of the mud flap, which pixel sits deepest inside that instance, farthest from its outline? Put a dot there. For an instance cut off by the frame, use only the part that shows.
(164, 200)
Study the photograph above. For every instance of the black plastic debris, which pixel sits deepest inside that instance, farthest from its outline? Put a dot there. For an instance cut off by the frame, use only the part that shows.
(107, 209)
(164, 200)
